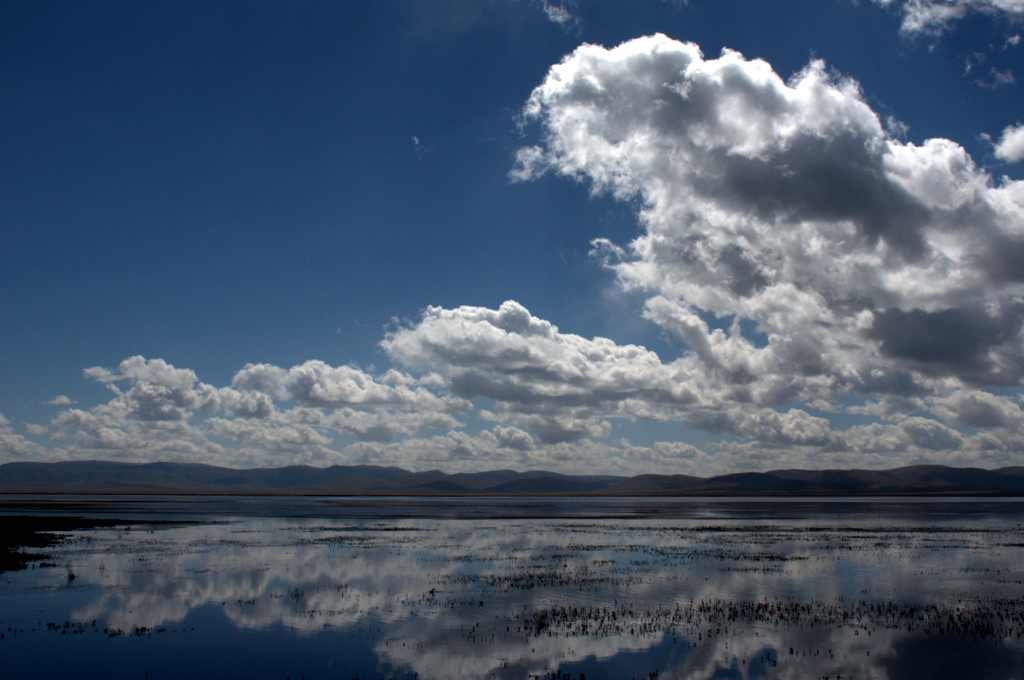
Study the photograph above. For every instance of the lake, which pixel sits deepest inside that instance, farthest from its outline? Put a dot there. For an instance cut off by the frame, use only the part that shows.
(277, 587)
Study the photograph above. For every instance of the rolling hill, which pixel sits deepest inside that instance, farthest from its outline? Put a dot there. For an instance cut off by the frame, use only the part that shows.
(356, 480)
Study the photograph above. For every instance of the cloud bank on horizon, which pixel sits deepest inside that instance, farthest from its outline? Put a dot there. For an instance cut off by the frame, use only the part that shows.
(836, 297)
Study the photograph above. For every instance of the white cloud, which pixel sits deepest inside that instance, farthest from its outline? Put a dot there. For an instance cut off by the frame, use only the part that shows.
(1011, 145)
(974, 408)
(997, 78)
(568, 391)
(559, 385)
(870, 265)
(932, 17)
(110, 431)
(297, 439)
(270, 415)
(60, 400)
(315, 383)
(562, 13)
(513, 438)
(559, 396)
(14, 447)
(378, 425)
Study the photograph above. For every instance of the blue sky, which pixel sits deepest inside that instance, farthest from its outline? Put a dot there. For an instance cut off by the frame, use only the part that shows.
(588, 236)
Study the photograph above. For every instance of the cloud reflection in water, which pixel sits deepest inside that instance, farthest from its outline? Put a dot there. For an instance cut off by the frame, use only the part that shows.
(884, 597)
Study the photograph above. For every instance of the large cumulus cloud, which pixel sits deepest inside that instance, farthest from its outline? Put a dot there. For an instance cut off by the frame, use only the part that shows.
(868, 263)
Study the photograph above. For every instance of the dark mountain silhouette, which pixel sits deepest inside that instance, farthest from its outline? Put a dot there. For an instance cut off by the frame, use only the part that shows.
(112, 477)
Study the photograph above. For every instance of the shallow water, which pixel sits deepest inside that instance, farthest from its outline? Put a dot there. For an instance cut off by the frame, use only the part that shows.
(518, 588)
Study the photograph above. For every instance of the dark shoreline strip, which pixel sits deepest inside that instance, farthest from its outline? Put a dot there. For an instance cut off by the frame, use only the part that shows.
(21, 532)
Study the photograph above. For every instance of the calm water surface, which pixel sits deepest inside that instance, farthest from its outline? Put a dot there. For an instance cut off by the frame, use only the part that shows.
(519, 588)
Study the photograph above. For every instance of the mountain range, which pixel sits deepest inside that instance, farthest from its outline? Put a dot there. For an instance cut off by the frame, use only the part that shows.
(359, 480)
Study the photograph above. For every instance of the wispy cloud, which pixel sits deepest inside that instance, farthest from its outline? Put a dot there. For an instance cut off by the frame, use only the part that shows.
(562, 12)
(933, 17)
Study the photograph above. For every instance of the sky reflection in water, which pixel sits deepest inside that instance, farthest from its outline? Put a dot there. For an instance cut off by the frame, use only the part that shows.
(904, 590)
